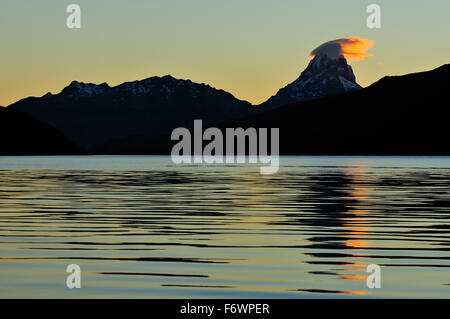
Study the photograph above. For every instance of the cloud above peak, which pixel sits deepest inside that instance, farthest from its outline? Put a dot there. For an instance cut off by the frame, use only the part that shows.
(352, 49)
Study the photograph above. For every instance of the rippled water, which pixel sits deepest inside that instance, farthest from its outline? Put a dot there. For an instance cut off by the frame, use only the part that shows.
(143, 227)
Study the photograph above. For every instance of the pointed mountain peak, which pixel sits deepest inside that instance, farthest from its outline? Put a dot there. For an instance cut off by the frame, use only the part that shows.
(325, 66)
(324, 76)
(321, 60)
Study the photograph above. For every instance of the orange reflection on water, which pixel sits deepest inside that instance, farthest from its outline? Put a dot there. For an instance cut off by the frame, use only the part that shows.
(355, 243)
(356, 222)
(355, 292)
(353, 277)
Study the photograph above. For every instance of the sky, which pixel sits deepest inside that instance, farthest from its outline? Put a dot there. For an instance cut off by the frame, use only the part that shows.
(250, 48)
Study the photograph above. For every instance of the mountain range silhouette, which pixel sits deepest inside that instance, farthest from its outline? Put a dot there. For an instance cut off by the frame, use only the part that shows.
(324, 111)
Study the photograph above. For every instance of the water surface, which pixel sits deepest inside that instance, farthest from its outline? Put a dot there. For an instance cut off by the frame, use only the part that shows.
(141, 227)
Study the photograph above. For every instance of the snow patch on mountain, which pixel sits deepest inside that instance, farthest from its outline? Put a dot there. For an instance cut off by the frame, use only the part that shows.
(161, 87)
(323, 76)
(79, 89)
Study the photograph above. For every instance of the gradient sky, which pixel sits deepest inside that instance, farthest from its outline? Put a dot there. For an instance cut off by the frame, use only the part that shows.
(250, 48)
